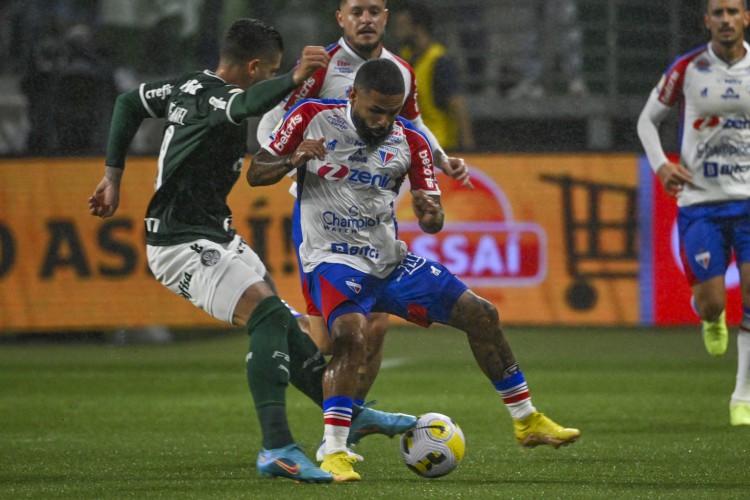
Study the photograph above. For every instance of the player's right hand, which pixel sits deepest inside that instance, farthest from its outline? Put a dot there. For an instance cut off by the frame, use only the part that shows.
(673, 177)
(313, 57)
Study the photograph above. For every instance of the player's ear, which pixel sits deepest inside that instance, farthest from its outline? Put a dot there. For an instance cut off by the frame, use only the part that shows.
(340, 18)
(253, 66)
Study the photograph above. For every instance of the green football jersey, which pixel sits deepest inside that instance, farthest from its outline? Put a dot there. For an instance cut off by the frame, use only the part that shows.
(199, 162)
(202, 151)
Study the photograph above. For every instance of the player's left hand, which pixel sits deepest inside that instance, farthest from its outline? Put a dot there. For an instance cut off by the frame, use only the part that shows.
(105, 200)
(313, 57)
(456, 168)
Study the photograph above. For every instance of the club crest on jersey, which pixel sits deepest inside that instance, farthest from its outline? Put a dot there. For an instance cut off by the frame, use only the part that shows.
(387, 153)
(703, 259)
(331, 146)
(210, 257)
(354, 286)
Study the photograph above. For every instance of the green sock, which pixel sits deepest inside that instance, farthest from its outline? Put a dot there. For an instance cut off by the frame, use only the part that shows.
(268, 370)
(306, 363)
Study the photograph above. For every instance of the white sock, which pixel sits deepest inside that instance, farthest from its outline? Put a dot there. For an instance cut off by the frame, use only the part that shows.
(741, 392)
(335, 436)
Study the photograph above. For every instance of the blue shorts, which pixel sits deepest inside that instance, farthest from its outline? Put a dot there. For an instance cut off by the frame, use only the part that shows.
(419, 290)
(709, 233)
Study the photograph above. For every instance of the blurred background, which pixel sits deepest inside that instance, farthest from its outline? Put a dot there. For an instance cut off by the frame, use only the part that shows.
(621, 47)
(566, 220)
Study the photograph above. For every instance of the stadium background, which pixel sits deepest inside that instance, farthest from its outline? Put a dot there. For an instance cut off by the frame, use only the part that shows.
(566, 221)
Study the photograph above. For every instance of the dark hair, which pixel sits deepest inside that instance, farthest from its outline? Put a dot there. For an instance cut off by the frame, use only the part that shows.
(342, 2)
(249, 39)
(381, 75)
(420, 14)
(706, 2)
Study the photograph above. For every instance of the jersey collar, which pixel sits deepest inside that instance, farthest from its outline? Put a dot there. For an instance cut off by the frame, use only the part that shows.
(744, 61)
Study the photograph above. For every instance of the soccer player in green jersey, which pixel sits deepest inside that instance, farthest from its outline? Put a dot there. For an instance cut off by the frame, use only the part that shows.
(192, 248)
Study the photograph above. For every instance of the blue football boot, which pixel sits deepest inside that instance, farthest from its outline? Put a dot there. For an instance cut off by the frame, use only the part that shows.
(370, 421)
(291, 463)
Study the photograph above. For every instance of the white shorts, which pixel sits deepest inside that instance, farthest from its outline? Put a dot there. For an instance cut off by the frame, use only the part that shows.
(213, 276)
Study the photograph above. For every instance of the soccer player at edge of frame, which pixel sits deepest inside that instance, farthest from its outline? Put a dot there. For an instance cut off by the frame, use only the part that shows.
(192, 248)
(351, 272)
(363, 23)
(711, 180)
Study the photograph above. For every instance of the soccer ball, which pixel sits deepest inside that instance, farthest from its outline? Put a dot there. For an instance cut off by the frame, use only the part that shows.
(434, 447)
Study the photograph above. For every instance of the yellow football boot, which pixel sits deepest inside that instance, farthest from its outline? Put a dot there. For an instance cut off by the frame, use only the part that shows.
(537, 429)
(739, 413)
(340, 465)
(716, 335)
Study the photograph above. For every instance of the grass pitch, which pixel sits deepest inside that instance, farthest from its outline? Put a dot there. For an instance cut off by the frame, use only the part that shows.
(176, 420)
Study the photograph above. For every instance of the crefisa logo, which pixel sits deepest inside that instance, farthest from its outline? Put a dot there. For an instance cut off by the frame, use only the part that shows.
(481, 242)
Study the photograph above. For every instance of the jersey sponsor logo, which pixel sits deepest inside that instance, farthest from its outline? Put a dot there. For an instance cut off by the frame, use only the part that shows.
(337, 122)
(217, 103)
(183, 286)
(284, 135)
(351, 223)
(176, 114)
(343, 67)
(363, 251)
(669, 86)
(191, 87)
(336, 171)
(357, 157)
(730, 94)
(706, 123)
(713, 169)
(333, 171)
(354, 142)
(305, 90)
(162, 92)
(737, 123)
(725, 148)
(210, 257)
(703, 65)
(387, 153)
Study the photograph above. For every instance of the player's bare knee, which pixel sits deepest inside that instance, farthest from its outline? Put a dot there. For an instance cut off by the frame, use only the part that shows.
(710, 308)
(475, 312)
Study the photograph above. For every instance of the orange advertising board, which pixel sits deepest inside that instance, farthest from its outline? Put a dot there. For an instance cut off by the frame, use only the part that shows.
(548, 239)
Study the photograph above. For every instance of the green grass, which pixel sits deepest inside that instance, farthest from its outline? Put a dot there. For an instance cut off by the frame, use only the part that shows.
(176, 420)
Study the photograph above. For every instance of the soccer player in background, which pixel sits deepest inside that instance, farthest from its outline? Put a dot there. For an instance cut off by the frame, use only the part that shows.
(353, 260)
(363, 23)
(192, 248)
(711, 180)
(440, 100)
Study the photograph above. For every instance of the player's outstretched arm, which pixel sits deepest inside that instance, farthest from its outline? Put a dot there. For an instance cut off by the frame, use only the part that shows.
(428, 210)
(455, 168)
(267, 169)
(313, 58)
(106, 198)
(264, 96)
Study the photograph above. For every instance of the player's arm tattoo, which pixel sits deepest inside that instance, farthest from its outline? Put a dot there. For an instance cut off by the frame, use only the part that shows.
(267, 169)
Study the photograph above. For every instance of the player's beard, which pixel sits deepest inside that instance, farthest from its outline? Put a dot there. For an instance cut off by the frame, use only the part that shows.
(372, 136)
(366, 50)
